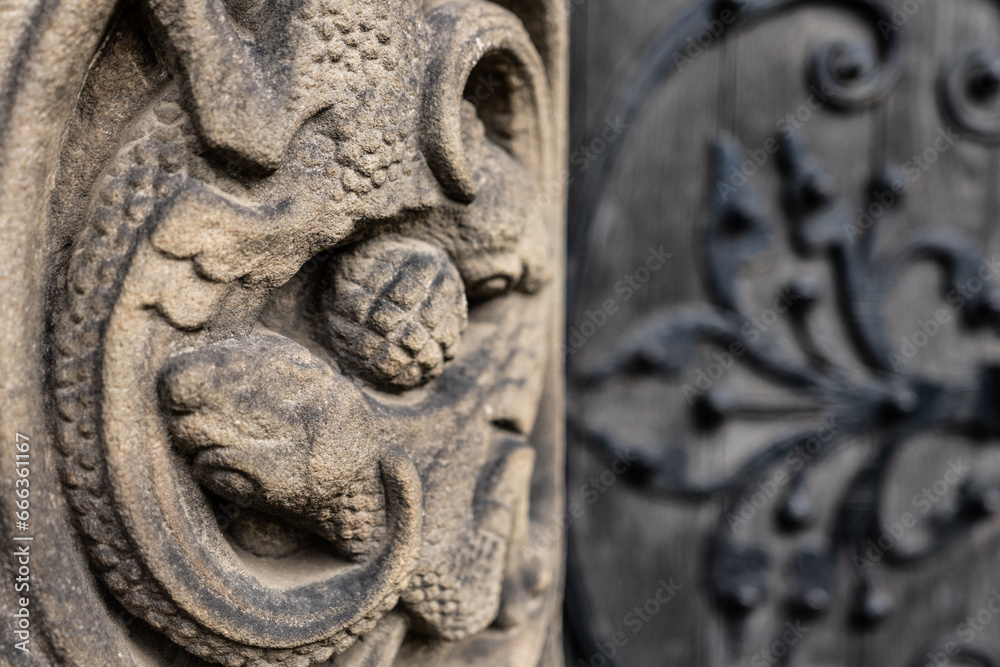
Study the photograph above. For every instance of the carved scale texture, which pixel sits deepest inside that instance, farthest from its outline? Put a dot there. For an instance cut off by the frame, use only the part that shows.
(355, 46)
(355, 519)
(142, 177)
(443, 603)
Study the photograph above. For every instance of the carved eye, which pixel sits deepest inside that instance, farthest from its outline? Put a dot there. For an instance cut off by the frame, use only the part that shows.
(490, 275)
(393, 309)
(493, 286)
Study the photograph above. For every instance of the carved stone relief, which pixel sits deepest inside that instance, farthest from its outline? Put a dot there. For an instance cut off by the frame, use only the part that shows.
(297, 318)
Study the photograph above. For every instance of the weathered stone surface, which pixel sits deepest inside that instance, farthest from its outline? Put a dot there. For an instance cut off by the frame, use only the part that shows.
(280, 321)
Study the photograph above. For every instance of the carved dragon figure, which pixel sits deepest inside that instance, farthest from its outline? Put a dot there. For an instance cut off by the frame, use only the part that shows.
(300, 244)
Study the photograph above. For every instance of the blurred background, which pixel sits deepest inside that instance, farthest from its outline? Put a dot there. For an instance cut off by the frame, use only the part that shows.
(781, 337)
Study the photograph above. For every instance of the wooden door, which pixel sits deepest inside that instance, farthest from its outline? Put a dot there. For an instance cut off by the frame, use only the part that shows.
(782, 335)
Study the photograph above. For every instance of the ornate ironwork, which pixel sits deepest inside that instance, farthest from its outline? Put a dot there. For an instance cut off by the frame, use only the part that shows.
(892, 403)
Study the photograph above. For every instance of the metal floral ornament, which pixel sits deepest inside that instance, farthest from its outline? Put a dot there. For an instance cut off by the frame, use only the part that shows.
(890, 403)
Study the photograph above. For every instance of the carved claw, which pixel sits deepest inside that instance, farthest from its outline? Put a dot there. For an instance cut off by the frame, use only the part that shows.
(394, 310)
